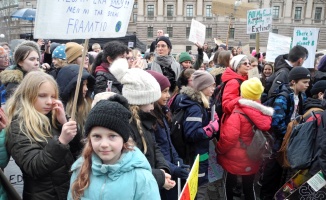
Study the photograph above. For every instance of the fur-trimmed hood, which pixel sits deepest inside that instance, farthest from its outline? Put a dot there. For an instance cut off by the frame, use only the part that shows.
(11, 76)
(217, 71)
(264, 109)
(191, 93)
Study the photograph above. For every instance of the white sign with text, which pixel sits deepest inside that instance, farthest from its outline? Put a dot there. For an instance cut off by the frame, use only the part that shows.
(197, 32)
(259, 20)
(277, 45)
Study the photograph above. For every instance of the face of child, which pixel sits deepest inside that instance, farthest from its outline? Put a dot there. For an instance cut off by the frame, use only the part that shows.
(302, 85)
(186, 64)
(31, 63)
(80, 59)
(85, 88)
(147, 108)
(107, 144)
(209, 90)
(165, 96)
(267, 70)
(45, 98)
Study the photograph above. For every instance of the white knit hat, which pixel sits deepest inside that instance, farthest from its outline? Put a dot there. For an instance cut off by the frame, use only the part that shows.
(235, 62)
(139, 86)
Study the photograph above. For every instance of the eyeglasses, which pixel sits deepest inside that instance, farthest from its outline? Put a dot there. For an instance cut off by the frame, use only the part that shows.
(246, 63)
(162, 46)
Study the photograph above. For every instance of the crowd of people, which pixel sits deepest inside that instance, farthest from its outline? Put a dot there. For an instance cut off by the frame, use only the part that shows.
(114, 141)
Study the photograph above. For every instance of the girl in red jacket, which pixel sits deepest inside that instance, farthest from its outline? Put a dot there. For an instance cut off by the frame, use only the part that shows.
(233, 157)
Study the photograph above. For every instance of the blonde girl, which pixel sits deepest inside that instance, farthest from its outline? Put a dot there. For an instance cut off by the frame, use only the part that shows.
(110, 167)
(39, 136)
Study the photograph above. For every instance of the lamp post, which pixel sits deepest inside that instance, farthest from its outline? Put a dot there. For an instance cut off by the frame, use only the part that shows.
(237, 3)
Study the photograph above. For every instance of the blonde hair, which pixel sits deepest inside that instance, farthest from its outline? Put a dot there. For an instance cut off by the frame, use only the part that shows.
(204, 99)
(134, 116)
(61, 63)
(33, 124)
(82, 181)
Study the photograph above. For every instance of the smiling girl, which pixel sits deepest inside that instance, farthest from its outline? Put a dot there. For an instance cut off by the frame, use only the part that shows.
(110, 167)
(39, 137)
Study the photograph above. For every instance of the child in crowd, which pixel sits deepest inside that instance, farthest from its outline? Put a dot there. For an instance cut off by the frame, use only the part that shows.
(58, 60)
(232, 156)
(110, 166)
(163, 139)
(39, 136)
(74, 53)
(141, 90)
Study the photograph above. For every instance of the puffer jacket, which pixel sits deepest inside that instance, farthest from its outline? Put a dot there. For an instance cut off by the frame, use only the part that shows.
(231, 91)
(232, 157)
(11, 78)
(102, 76)
(196, 117)
(45, 165)
(153, 154)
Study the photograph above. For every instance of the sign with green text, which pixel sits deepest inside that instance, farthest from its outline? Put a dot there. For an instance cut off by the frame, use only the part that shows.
(259, 20)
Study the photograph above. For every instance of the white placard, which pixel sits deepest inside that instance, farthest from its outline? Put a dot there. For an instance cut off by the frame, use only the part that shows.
(307, 37)
(317, 181)
(197, 32)
(82, 19)
(259, 20)
(277, 45)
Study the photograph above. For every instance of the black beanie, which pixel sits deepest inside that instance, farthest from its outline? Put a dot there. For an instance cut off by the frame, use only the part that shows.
(112, 114)
(319, 86)
(298, 73)
(166, 40)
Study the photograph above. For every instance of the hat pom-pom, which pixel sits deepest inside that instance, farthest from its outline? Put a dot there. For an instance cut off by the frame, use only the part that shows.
(119, 68)
(120, 99)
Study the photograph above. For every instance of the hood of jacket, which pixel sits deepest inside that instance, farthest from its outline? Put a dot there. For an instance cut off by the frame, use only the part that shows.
(312, 103)
(281, 63)
(128, 161)
(256, 112)
(67, 80)
(11, 75)
(189, 96)
(218, 70)
(230, 74)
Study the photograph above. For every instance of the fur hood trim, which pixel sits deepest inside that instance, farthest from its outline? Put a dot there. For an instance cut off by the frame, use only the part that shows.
(11, 76)
(264, 109)
(217, 71)
(191, 93)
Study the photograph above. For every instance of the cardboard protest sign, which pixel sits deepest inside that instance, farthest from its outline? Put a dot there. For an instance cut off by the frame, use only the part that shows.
(237, 9)
(307, 37)
(190, 189)
(277, 45)
(259, 20)
(197, 32)
(83, 19)
(253, 73)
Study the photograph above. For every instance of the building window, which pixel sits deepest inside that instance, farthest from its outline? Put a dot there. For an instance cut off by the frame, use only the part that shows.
(149, 32)
(170, 11)
(169, 30)
(208, 32)
(188, 48)
(253, 36)
(231, 35)
(187, 32)
(150, 10)
(275, 30)
(318, 13)
(209, 11)
(297, 13)
(135, 17)
(190, 11)
(135, 5)
(276, 12)
(28, 4)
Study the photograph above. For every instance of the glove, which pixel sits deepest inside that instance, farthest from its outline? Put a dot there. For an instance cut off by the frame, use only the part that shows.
(211, 128)
(182, 171)
(180, 161)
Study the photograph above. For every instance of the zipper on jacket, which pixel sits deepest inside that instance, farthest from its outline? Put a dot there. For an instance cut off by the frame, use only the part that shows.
(102, 188)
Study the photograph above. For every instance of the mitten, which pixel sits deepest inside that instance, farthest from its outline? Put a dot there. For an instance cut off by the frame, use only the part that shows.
(211, 128)
(182, 171)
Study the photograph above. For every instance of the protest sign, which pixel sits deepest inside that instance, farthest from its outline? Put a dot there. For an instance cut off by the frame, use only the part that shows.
(197, 32)
(227, 7)
(277, 45)
(307, 37)
(259, 20)
(253, 73)
(82, 19)
(246, 50)
(190, 189)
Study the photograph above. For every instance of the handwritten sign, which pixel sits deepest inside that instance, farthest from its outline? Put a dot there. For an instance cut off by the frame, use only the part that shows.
(190, 189)
(259, 20)
(15, 176)
(308, 38)
(82, 19)
(197, 32)
(277, 45)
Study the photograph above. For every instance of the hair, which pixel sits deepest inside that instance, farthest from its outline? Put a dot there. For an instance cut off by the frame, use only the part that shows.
(224, 58)
(215, 58)
(21, 53)
(183, 79)
(135, 52)
(134, 109)
(233, 50)
(33, 124)
(204, 99)
(96, 46)
(4, 44)
(61, 63)
(252, 59)
(82, 181)
(159, 114)
(99, 59)
(297, 52)
(114, 49)
(263, 77)
(82, 109)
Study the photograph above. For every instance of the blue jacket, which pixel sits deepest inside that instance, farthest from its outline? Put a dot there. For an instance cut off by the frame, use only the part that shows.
(195, 120)
(4, 159)
(129, 178)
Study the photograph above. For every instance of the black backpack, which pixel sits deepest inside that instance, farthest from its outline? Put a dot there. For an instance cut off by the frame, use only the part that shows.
(177, 136)
(270, 101)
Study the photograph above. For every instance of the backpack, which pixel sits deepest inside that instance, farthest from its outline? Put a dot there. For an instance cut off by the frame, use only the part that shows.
(261, 144)
(270, 101)
(177, 136)
(281, 156)
(300, 150)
